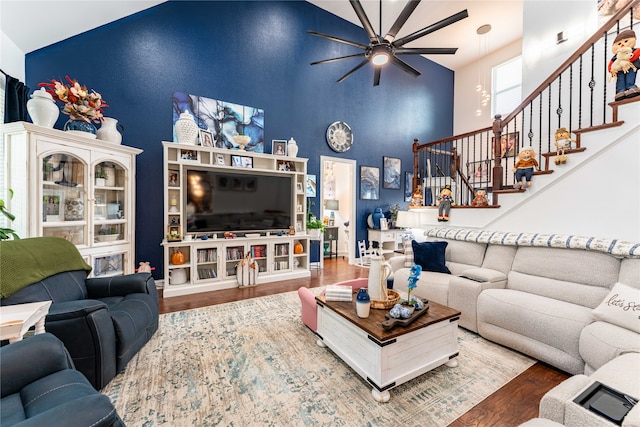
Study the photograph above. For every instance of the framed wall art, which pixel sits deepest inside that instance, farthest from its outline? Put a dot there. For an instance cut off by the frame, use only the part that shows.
(392, 172)
(311, 186)
(508, 144)
(369, 183)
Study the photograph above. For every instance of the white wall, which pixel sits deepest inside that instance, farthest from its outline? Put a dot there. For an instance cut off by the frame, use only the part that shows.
(543, 20)
(11, 58)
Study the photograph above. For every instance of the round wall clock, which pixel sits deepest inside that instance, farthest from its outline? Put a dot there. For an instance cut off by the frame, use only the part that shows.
(339, 136)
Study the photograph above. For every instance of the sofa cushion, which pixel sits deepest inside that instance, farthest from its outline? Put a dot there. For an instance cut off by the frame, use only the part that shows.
(620, 307)
(65, 286)
(430, 256)
(541, 327)
(601, 342)
(630, 272)
(432, 286)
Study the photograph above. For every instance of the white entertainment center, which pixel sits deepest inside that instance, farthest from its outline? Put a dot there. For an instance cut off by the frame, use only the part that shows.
(206, 261)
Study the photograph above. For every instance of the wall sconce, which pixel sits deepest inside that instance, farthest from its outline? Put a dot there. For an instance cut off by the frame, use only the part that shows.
(561, 37)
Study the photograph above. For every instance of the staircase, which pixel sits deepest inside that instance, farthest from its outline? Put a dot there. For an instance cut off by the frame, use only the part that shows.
(596, 193)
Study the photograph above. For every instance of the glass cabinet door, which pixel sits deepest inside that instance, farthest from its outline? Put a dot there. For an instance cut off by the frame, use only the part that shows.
(108, 203)
(64, 197)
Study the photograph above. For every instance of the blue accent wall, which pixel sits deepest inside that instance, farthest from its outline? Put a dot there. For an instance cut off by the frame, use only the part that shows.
(253, 53)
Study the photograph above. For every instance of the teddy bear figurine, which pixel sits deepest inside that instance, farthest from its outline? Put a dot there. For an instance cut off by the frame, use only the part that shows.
(524, 167)
(562, 143)
(145, 267)
(480, 199)
(444, 202)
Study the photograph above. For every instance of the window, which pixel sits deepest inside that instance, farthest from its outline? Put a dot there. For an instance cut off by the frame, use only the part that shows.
(506, 85)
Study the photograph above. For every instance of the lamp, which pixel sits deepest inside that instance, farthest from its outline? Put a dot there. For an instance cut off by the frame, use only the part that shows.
(481, 87)
(332, 205)
(380, 54)
(408, 219)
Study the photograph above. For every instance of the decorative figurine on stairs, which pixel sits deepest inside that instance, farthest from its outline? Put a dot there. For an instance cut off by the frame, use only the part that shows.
(623, 67)
(444, 202)
(524, 167)
(480, 199)
(563, 142)
(416, 198)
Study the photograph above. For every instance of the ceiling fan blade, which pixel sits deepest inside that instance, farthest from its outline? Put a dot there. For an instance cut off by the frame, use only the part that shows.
(337, 39)
(431, 28)
(325, 61)
(426, 50)
(353, 70)
(404, 66)
(362, 16)
(401, 20)
(376, 75)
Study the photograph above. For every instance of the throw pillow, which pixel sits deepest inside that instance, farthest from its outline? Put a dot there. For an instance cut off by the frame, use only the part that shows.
(408, 251)
(430, 256)
(621, 307)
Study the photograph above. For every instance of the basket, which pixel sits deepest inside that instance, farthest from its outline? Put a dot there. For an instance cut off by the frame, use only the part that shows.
(392, 298)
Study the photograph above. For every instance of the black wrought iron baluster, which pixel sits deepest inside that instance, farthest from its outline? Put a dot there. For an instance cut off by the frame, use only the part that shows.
(592, 84)
(559, 109)
(539, 150)
(570, 96)
(580, 95)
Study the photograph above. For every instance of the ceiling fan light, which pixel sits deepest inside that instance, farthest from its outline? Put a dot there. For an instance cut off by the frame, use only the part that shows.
(380, 58)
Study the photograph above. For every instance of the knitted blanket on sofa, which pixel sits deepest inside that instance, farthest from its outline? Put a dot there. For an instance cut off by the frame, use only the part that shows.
(615, 247)
(26, 261)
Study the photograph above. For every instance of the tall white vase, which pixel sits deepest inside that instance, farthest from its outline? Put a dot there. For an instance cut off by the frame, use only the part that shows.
(379, 271)
(109, 131)
(186, 129)
(292, 148)
(42, 110)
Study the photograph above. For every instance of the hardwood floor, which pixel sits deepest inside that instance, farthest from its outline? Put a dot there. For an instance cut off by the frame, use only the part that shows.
(512, 405)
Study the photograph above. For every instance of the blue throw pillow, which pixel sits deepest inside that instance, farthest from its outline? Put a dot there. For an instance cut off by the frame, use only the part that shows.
(430, 256)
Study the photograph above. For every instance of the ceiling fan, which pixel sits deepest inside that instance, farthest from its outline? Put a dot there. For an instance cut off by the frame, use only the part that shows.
(382, 50)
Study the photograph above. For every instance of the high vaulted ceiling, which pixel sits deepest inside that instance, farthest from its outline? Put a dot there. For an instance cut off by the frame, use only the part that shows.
(32, 25)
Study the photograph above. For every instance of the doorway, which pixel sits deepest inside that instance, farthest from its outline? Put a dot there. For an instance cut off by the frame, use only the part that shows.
(338, 201)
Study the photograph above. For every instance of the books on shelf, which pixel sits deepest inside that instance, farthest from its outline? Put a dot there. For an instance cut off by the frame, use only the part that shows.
(338, 293)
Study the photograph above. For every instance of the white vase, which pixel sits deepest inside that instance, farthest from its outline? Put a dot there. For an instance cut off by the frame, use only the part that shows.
(109, 131)
(292, 148)
(186, 129)
(42, 110)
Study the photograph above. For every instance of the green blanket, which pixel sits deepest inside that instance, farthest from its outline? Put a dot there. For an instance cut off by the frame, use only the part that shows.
(26, 261)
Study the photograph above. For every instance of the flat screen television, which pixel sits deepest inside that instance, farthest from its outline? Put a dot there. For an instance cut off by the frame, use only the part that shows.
(218, 201)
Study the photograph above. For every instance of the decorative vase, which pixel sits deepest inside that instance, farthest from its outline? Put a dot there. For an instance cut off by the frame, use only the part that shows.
(379, 271)
(73, 209)
(177, 258)
(241, 140)
(186, 129)
(376, 216)
(363, 303)
(101, 182)
(314, 232)
(109, 131)
(80, 127)
(292, 148)
(42, 109)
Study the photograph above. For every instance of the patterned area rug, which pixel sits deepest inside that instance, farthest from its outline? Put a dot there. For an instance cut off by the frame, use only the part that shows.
(253, 362)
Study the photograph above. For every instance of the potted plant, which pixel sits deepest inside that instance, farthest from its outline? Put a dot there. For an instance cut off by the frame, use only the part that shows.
(101, 177)
(7, 233)
(315, 227)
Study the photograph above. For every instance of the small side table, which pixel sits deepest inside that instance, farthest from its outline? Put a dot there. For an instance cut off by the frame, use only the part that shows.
(15, 320)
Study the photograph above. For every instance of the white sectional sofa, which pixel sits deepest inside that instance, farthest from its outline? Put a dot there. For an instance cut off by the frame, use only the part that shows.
(536, 293)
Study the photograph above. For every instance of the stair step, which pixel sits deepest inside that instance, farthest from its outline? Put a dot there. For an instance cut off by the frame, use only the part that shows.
(569, 151)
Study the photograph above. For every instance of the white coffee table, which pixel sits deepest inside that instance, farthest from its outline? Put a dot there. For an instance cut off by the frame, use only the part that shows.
(388, 358)
(15, 320)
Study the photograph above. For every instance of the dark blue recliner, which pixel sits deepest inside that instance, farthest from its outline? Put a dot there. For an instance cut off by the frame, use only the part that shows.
(103, 322)
(40, 387)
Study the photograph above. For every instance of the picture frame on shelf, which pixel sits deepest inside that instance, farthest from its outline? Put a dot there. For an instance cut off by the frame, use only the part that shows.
(174, 178)
(369, 183)
(236, 183)
(189, 155)
(241, 161)
(285, 166)
(299, 188)
(279, 147)
(51, 204)
(508, 144)
(250, 184)
(408, 186)
(392, 172)
(224, 182)
(310, 185)
(298, 226)
(206, 138)
(220, 159)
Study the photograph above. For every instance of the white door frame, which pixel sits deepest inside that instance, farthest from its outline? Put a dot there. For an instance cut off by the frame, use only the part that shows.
(352, 182)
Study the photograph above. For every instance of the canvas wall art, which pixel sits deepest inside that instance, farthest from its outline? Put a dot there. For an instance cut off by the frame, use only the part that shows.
(223, 119)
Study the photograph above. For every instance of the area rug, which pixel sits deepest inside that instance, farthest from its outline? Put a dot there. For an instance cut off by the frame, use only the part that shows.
(253, 362)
